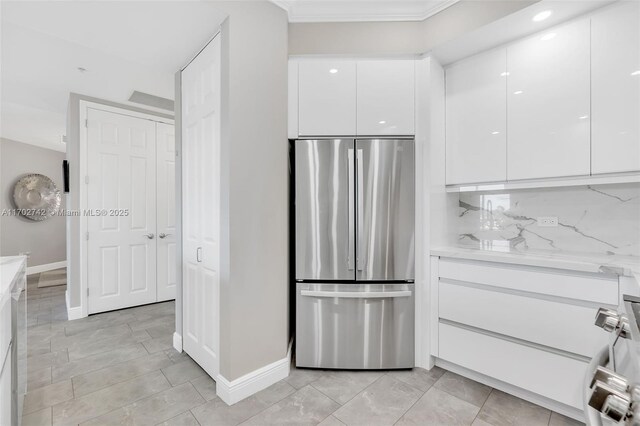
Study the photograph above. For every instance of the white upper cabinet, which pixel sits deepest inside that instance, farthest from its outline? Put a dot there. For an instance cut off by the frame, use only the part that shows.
(327, 98)
(548, 105)
(476, 119)
(615, 86)
(385, 97)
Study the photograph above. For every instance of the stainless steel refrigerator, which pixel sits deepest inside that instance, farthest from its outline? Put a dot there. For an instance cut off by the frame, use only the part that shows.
(354, 253)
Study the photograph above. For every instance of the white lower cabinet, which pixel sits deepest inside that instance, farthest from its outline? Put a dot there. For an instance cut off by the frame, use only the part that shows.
(5, 392)
(548, 374)
(551, 323)
(528, 327)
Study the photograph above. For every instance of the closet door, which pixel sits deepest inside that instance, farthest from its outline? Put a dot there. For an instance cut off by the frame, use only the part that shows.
(122, 217)
(201, 207)
(166, 201)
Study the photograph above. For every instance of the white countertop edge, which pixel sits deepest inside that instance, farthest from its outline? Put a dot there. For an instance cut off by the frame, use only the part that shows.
(605, 264)
(10, 266)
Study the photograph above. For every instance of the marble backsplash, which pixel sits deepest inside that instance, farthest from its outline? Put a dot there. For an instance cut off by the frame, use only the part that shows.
(602, 219)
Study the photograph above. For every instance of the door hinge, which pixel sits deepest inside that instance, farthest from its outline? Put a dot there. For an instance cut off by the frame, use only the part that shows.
(86, 123)
(87, 291)
(87, 236)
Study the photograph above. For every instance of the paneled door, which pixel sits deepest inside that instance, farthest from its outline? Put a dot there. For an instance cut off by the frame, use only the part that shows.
(122, 221)
(201, 207)
(166, 216)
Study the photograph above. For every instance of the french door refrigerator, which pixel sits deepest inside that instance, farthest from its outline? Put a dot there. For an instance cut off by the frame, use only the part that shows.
(354, 253)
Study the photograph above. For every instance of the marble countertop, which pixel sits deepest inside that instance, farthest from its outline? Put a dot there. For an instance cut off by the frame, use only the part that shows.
(9, 268)
(617, 264)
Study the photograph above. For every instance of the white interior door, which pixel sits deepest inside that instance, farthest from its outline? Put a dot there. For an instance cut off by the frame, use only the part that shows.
(201, 207)
(166, 202)
(121, 222)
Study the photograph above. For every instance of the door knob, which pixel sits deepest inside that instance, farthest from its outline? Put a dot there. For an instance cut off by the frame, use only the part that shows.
(163, 235)
(149, 236)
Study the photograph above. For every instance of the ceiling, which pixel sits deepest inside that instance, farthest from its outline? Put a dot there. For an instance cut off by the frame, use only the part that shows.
(124, 46)
(361, 10)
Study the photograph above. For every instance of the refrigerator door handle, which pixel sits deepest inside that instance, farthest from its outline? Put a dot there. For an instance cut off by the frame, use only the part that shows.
(351, 251)
(357, 294)
(360, 207)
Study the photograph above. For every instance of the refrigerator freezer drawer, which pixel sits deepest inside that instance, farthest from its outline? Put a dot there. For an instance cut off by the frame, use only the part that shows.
(355, 326)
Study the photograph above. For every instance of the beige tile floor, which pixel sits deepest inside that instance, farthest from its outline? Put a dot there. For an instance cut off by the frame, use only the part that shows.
(120, 368)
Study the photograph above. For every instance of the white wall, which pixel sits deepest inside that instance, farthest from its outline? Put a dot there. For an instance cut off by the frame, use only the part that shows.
(45, 240)
(254, 242)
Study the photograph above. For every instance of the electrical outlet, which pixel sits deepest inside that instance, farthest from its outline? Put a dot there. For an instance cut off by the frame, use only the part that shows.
(548, 221)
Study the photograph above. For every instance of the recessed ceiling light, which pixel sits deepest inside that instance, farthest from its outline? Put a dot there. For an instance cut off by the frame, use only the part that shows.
(542, 16)
(333, 70)
(518, 92)
(504, 74)
(382, 122)
(548, 36)
(636, 72)
(583, 117)
(495, 133)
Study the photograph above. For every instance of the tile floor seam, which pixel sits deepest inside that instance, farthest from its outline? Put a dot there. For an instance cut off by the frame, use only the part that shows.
(311, 384)
(358, 393)
(112, 350)
(203, 397)
(133, 401)
(412, 405)
(460, 399)
(481, 408)
(194, 416)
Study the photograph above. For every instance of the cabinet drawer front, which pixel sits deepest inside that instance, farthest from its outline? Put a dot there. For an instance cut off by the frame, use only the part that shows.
(550, 323)
(550, 375)
(572, 285)
(5, 330)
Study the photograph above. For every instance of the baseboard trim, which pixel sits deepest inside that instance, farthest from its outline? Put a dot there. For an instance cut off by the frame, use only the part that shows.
(46, 267)
(552, 405)
(237, 390)
(177, 341)
(72, 313)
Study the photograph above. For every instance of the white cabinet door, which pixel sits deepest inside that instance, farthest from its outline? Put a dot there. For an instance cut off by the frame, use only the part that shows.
(166, 217)
(548, 104)
(615, 89)
(385, 97)
(476, 105)
(201, 207)
(122, 198)
(5, 389)
(327, 98)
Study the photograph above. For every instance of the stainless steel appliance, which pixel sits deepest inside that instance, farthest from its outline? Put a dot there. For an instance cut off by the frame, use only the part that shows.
(354, 253)
(612, 381)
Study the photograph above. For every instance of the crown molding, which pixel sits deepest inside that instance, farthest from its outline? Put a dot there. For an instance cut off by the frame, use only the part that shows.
(339, 16)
